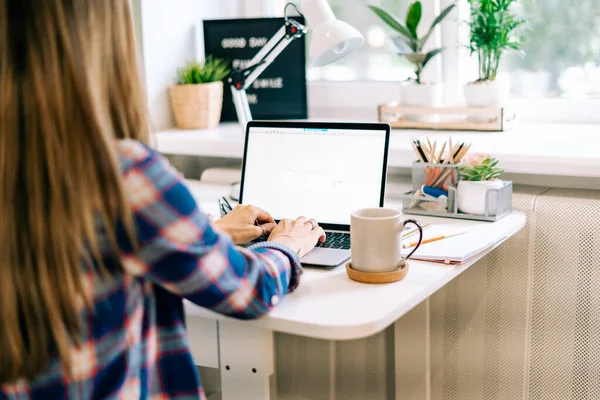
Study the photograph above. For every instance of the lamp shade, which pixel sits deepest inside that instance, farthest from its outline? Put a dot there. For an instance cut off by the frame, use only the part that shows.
(331, 39)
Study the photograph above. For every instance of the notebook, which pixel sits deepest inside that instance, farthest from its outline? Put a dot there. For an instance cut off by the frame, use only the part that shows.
(411, 233)
(454, 250)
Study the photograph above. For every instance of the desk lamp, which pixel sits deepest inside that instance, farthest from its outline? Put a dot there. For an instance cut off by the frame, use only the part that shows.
(331, 41)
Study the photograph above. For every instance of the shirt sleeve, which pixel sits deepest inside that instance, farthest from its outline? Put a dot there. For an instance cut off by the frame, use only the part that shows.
(180, 251)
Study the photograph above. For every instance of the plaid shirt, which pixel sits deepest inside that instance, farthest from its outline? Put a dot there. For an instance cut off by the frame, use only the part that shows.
(133, 343)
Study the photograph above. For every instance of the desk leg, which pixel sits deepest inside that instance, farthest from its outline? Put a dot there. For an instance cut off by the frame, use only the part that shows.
(411, 354)
(203, 335)
(246, 361)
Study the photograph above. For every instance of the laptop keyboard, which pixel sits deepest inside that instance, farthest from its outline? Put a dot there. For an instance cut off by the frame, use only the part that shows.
(336, 240)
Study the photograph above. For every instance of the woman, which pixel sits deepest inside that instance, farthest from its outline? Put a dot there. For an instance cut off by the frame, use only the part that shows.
(100, 238)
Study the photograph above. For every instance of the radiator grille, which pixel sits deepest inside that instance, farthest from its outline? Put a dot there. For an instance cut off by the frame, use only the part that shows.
(479, 324)
(302, 367)
(565, 341)
(311, 369)
(365, 368)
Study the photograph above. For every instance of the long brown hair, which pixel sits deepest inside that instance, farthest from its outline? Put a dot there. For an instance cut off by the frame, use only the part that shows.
(69, 87)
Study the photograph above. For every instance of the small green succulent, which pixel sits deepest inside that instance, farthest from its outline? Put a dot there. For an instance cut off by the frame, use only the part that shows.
(479, 167)
(211, 70)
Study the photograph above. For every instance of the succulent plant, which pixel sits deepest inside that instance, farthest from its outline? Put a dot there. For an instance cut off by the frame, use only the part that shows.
(479, 167)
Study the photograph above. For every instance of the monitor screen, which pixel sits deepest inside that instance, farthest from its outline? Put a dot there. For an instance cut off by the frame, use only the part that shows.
(318, 173)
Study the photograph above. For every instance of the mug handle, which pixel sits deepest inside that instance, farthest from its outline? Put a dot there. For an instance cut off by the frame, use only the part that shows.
(412, 221)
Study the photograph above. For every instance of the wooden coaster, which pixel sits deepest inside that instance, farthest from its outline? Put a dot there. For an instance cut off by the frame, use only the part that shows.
(377, 277)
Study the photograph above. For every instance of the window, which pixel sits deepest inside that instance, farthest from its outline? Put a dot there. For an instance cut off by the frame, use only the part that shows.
(556, 80)
(562, 50)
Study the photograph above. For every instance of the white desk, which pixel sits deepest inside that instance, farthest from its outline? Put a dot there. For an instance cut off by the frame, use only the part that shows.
(328, 305)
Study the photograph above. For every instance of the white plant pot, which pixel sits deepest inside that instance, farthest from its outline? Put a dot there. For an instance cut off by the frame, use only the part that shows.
(421, 95)
(472, 196)
(487, 93)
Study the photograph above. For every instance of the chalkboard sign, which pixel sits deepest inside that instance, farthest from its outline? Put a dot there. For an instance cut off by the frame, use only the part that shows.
(280, 91)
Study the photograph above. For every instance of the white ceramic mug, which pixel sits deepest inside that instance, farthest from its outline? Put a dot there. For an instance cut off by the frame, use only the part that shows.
(375, 235)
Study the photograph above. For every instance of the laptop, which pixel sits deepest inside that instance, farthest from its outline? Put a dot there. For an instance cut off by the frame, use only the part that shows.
(319, 170)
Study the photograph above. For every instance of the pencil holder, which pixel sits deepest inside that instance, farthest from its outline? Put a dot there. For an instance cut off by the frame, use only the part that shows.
(437, 176)
(435, 193)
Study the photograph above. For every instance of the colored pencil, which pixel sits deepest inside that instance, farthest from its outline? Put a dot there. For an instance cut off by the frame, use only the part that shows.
(431, 240)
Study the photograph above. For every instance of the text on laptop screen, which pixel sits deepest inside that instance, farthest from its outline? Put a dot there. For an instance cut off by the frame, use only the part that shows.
(323, 174)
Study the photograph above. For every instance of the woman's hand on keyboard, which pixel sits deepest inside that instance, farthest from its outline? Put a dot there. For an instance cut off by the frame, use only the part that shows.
(245, 223)
(300, 235)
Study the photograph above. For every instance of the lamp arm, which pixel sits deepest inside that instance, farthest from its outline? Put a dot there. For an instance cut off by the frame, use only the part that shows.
(268, 60)
(242, 107)
(267, 49)
(241, 80)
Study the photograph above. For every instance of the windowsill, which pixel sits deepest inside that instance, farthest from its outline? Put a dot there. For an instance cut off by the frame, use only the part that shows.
(531, 149)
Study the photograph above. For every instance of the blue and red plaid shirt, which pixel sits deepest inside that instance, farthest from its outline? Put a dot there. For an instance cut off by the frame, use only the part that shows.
(133, 342)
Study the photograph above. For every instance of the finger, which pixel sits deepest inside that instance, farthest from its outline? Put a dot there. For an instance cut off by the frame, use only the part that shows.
(319, 233)
(301, 220)
(268, 227)
(310, 225)
(262, 216)
(313, 222)
(257, 231)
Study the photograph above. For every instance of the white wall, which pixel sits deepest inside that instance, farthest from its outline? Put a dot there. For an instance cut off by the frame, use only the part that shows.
(168, 40)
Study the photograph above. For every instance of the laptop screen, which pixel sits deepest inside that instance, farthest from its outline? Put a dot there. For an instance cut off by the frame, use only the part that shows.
(319, 173)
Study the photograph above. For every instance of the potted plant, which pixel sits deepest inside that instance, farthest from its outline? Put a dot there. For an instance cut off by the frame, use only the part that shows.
(492, 25)
(478, 174)
(415, 92)
(197, 98)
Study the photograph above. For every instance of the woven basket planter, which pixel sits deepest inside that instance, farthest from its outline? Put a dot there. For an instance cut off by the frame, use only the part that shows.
(197, 106)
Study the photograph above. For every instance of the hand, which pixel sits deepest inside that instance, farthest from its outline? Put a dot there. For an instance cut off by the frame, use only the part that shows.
(300, 235)
(240, 223)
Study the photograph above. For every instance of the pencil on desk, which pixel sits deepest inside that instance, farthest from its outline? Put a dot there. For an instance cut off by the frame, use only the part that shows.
(435, 239)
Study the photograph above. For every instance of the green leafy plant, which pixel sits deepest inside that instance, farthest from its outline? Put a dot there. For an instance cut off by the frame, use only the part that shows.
(479, 167)
(211, 70)
(493, 28)
(409, 44)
